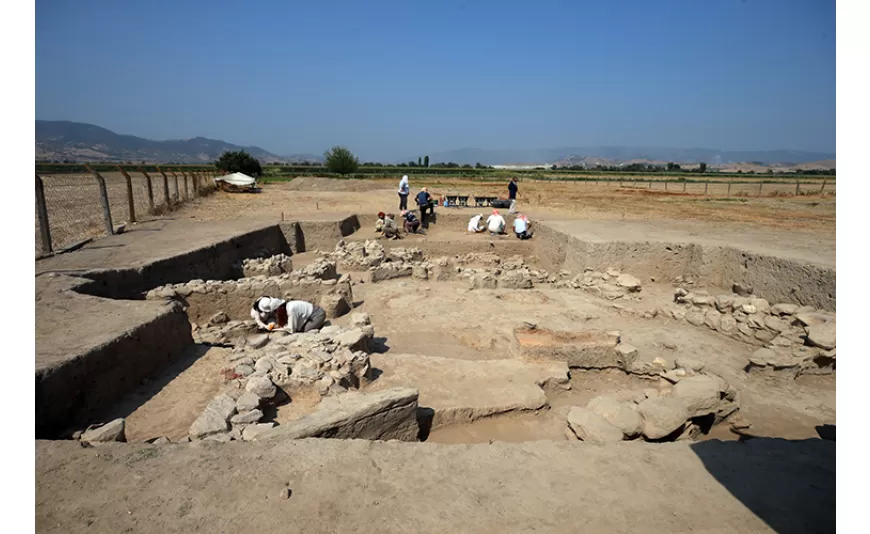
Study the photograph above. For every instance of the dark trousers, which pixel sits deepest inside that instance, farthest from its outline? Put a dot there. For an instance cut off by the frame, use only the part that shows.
(525, 234)
(315, 321)
(423, 210)
(403, 201)
(411, 227)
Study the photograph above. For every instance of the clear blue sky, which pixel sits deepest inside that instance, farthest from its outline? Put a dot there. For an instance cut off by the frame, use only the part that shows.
(392, 79)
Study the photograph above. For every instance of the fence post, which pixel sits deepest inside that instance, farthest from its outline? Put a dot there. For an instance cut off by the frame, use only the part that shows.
(131, 207)
(42, 214)
(650, 184)
(729, 188)
(104, 200)
(797, 187)
(175, 179)
(165, 187)
(666, 185)
(684, 186)
(150, 191)
(706, 186)
(760, 185)
(186, 190)
(824, 181)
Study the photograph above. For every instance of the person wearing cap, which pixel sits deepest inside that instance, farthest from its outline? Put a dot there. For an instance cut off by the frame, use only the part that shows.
(379, 224)
(424, 200)
(411, 222)
(521, 227)
(474, 225)
(404, 191)
(287, 315)
(495, 223)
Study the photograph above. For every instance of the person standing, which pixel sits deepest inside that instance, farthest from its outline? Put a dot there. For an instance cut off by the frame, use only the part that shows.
(404, 191)
(424, 201)
(512, 194)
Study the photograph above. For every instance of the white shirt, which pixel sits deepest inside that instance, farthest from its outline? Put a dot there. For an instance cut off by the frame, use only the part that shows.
(473, 223)
(268, 304)
(495, 223)
(298, 311)
(403, 186)
(520, 225)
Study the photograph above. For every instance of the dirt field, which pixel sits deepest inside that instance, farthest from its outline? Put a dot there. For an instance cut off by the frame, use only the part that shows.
(511, 470)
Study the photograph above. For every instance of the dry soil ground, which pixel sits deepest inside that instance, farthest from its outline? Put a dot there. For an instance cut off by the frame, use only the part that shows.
(541, 486)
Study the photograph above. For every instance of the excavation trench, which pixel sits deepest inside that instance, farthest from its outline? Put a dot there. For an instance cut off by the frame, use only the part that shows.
(496, 341)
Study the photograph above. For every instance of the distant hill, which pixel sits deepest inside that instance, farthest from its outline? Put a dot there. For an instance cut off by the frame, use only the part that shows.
(76, 141)
(610, 155)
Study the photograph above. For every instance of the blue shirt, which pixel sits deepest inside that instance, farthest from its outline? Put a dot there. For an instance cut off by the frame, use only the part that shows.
(512, 190)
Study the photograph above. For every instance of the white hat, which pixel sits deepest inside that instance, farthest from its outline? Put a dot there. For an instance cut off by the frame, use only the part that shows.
(405, 177)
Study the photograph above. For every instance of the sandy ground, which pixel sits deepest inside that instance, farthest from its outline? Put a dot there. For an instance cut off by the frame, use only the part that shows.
(389, 487)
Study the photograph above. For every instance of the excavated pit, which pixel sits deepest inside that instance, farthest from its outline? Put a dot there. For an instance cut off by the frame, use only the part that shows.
(497, 339)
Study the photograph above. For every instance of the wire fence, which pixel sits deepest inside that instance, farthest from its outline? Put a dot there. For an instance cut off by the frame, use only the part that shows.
(72, 208)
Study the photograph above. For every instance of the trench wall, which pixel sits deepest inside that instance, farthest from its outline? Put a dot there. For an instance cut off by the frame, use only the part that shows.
(75, 391)
(775, 279)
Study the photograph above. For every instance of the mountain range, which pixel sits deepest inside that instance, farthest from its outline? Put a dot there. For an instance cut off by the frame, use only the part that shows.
(75, 141)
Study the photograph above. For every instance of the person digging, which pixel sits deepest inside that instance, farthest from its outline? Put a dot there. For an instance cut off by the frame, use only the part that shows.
(287, 315)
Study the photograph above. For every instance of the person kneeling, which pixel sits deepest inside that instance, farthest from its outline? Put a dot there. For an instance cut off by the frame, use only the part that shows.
(287, 315)
(495, 223)
(391, 231)
(412, 224)
(475, 225)
(521, 227)
(379, 224)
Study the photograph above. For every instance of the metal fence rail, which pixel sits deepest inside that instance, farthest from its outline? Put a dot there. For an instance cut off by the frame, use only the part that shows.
(71, 208)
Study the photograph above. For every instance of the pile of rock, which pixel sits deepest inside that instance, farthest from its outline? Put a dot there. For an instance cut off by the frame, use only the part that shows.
(796, 339)
(610, 284)
(267, 368)
(270, 266)
(679, 411)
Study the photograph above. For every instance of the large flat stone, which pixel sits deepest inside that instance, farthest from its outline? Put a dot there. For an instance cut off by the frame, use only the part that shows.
(464, 390)
(383, 415)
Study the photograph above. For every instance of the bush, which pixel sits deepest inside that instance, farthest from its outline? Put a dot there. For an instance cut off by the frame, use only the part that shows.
(240, 161)
(341, 160)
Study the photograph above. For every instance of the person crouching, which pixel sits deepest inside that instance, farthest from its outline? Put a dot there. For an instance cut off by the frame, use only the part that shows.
(412, 224)
(287, 315)
(379, 224)
(391, 231)
(521, 227)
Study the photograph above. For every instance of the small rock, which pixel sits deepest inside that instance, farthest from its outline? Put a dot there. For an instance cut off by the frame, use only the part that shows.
(218, 318)
(261, 386)
(244, 370)
(263, 365)
(358, 320)
(618, 414)
(629, 282)
(688, 363)
(335, 305)
(161, 441)
(662, 416)
(214, 418)
(258, 341)
(774, 323)
(353, 339)
(592, 428)
(700, 393)
(285, 493)
(611, 272)
(695, 318)
(741, 289)
(823, 335)
(727, 324)
(723, 303)
(812, 318)
(251, 416)
(765, 336)
(530, 325)
(626, 353)
(247, 401)
(748, 309)
(111, 431)
(784, 309)
(251, 432)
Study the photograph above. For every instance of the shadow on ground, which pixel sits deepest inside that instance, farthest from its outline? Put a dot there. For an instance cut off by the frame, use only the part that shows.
(790, 485)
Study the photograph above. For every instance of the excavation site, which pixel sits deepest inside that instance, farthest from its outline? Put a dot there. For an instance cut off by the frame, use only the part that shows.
(460, 382)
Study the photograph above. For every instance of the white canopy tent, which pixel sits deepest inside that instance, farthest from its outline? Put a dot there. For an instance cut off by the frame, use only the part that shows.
(236, 180)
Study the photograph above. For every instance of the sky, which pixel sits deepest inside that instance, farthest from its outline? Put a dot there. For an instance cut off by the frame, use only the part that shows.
(396, 79)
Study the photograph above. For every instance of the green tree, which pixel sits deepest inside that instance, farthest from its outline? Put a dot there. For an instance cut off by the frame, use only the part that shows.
(419, 161)
(703, 167)
(240, 161)
(340, 160)
(426, 161)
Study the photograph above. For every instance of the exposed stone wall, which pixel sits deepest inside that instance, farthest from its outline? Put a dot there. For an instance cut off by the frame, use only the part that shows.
(776, 279)
(796, 339)
(315, 283)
